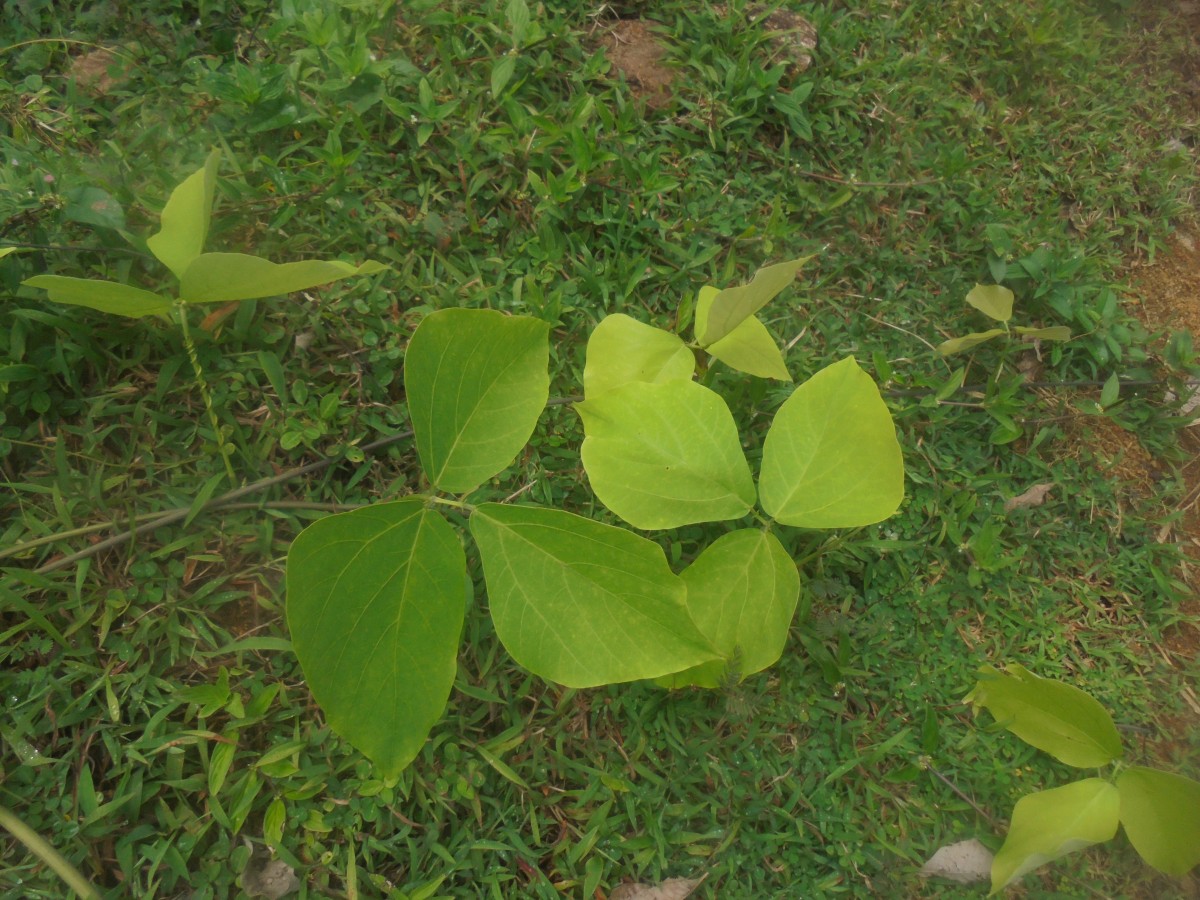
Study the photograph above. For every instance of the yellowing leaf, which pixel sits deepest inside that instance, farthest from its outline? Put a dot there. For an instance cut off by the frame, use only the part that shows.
(222, 277)
(750, 348)
(1160, 812)
(966, 342)
(622, 349)
(993, 300)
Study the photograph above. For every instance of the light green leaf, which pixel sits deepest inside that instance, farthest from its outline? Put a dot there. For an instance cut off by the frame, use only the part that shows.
(993, 300)
(1053, 333)
(1050, 824)
(665, 455)
(185, 218)
(742, 593)
(968, 341)
(831, 458)
(4, 251)
(502, 71)
(581, 603)
(622, 349)
(106, 296)
(375, 604)
(1057, 718)
(223, 277)
(719, 312)
(476, 381)
(750, 348)
(1161, 815)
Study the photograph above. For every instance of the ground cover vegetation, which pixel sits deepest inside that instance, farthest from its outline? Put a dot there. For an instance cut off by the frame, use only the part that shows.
(159, 732)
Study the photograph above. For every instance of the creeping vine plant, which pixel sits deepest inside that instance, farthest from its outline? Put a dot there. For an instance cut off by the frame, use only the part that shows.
(376, 596)
(1160, 811)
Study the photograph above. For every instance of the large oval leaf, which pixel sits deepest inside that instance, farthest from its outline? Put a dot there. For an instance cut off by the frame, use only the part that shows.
(665, 455)
(1161, 815)
(1050, 824)
(224, 277)
(476, 381)
(184, 223)
(106, 296)
(742, 592)
(1057, 718)
(582, 603)
(831, 458)
(375, 603)
(622, 349)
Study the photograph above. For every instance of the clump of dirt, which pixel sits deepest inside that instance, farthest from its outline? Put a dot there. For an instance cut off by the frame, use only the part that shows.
(637, 53)
(1170, 288)
(99, 71)
(791, 37)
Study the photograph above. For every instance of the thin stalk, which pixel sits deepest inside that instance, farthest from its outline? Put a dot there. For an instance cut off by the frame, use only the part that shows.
(205, 393)
(42, 849)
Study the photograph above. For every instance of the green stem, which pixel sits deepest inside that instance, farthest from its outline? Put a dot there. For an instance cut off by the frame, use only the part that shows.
(42, 849)
(205, 394)
(446, 501)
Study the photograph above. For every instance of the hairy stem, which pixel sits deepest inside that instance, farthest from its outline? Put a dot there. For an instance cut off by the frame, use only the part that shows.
(205, 393)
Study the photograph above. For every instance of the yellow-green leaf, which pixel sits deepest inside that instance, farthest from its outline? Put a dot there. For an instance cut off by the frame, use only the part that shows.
(223, 277)
(1053, 333)
(993, 300)
(1160, 812)
(185, 218)
(750, 348)
(719, 312)
(966, 342)
(106, 296)
(622, 349)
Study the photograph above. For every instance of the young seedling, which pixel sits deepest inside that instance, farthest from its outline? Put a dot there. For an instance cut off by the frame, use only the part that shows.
(203, 277)
(1160, 811)
(996, 302)
(375, 596)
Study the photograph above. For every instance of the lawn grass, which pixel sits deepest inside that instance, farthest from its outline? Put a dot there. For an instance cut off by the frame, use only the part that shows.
(158, 729)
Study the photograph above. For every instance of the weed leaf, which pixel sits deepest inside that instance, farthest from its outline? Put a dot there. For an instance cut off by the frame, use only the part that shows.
(993, 300)
(1160, 812)
(742, 592)
(622, 349)
(831, 458)
(581, 603)
(1050, 824)
(185, 219)
(665, 455)
(477, 381)
(967, 341)
(106, 296)
(222, 277)
(1057, 718)
(375, 605)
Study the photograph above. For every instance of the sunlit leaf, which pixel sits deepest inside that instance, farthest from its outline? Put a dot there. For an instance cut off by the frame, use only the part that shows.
(993, 300)
(742, 592)
(222, 277)
(622, 349)
(185, 219)
(1050, 824)
(106, 296)
(1057, 718)
(831, 458)
(1160, 812)
(4, 251)
(477, 381)
(967, 341)
(750, 348)
(719, 312)
(581, 603)
(375, 604)
(665, 455)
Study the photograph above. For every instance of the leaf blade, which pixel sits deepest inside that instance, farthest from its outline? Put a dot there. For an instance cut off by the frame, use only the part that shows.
(750, 348)
(477, 381)
(106, 296)
(1160, 812)
(183, 226)
(622, 349)
(831, 458)
(968, 341)
(581, 603)
(665, 455)
(1050, 824)
(1058, 718)
(375, 596)
(225, 277)
(719, 312)
(993, 300)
